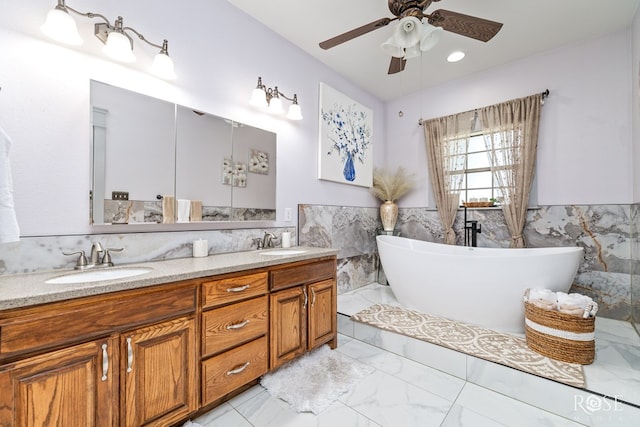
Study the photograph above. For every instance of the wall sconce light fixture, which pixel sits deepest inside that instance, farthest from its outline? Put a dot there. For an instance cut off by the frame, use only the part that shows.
(118, 44)
(270, 100)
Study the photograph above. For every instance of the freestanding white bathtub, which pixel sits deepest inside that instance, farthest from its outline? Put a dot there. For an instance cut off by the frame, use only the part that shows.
(481, 286)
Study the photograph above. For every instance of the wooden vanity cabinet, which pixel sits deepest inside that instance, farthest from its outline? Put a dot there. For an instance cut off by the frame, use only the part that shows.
(126, 358)
(235, 327)
(74, 386)
(155, 356)
(303, 309)
(158, 374)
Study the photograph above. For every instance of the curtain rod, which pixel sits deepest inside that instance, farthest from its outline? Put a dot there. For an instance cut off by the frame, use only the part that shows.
(544, 94)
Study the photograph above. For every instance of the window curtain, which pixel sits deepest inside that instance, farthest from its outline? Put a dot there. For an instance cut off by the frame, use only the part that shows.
(511, 136)
(446, 139)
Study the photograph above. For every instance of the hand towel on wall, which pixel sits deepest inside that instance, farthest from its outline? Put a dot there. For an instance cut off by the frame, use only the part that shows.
(9, 230)
(184, 207)
(168, 209)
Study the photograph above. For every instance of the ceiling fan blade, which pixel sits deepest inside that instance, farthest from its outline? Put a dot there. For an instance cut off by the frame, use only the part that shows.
(465, 25)
(356, 32)
(396, 65)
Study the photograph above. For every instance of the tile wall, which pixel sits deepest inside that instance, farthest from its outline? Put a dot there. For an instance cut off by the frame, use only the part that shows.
(45, 253)
(607, 233)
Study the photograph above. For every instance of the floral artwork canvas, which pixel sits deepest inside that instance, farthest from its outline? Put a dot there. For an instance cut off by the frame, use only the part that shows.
(346, 139)
(258, 161)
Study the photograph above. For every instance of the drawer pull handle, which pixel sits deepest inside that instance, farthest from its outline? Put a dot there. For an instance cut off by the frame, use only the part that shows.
(129, 355)
(313, 297)
(238, 325)
(306, 298)
(238, 288)
(105, 362)
(238, 370)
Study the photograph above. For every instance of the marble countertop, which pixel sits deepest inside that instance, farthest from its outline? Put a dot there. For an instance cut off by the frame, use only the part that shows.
(22, 290)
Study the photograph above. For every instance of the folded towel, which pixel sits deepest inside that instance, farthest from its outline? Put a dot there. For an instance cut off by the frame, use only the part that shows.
(184, 207)
(9, 230)
(196, 211)
(168, 209)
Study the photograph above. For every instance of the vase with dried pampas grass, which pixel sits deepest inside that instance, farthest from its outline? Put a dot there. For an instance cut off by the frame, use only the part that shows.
(389, 187)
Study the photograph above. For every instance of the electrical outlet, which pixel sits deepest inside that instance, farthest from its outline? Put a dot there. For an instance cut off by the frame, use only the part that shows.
(288, 214)
(119, 195)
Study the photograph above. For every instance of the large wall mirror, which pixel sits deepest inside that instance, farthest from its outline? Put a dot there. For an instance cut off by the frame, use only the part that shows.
(155, 162)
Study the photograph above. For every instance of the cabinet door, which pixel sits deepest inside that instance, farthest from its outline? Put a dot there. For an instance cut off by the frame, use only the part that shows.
(288, 325)
(159, 373)
(322, 313)
(75, 386)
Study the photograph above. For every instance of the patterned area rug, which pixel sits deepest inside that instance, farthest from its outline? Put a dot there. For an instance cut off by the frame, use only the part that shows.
(508, 350)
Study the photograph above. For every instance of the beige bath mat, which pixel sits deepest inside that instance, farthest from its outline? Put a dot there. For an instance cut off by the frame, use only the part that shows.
(508, 350)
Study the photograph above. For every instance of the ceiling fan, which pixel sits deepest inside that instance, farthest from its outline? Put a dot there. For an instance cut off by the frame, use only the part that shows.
(465, 25)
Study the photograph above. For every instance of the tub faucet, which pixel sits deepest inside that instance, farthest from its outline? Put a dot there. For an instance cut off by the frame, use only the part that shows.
(471, 230)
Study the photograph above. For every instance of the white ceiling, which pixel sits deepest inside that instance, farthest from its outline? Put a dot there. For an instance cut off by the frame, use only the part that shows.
(530, 26)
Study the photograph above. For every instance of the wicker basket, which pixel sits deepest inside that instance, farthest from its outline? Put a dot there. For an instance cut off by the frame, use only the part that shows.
(560, 336)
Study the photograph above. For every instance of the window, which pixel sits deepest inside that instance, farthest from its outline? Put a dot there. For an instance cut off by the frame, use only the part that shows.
(478, 183)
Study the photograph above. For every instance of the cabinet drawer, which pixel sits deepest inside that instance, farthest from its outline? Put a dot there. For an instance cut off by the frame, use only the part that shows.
(72, 321)
(302, 274)
(228, 326)
(232, 289)
(226, 372)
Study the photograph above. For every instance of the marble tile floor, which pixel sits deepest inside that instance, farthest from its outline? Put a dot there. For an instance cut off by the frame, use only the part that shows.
(419, 384)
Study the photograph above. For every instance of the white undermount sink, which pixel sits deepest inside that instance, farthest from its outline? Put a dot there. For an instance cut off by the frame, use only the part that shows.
(283, 252)
(98, 275)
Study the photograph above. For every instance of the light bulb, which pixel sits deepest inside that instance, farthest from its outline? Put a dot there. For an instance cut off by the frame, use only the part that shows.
(295, 112)
(258, 98)
(61, 27)
(275, 106)
(118, 47)
(163, 66)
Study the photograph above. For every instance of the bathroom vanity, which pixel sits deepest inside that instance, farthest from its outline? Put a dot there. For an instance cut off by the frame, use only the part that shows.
(158, 348)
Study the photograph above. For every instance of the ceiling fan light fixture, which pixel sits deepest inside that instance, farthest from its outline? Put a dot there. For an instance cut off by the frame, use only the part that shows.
(430, 36)
(455, 56)
(391, 48)
(411, 52)
(408, 32)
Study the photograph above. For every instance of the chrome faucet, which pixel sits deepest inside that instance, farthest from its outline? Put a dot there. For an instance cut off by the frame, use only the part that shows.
(266, 241)
(94, 260)
(96, 249)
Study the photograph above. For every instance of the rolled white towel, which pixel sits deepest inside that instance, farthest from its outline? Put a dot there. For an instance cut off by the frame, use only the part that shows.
(542, 294)
(543, 298)
(573, 300)
(576, 304)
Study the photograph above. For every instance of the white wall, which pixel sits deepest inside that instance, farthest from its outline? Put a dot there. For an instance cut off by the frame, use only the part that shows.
(585, 141)
(219, 53)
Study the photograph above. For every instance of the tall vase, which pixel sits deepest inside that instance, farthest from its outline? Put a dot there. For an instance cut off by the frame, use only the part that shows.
(349, 170)
(388, 215)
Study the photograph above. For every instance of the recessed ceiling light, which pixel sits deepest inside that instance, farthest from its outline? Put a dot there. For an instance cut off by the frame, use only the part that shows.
(455, 56)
